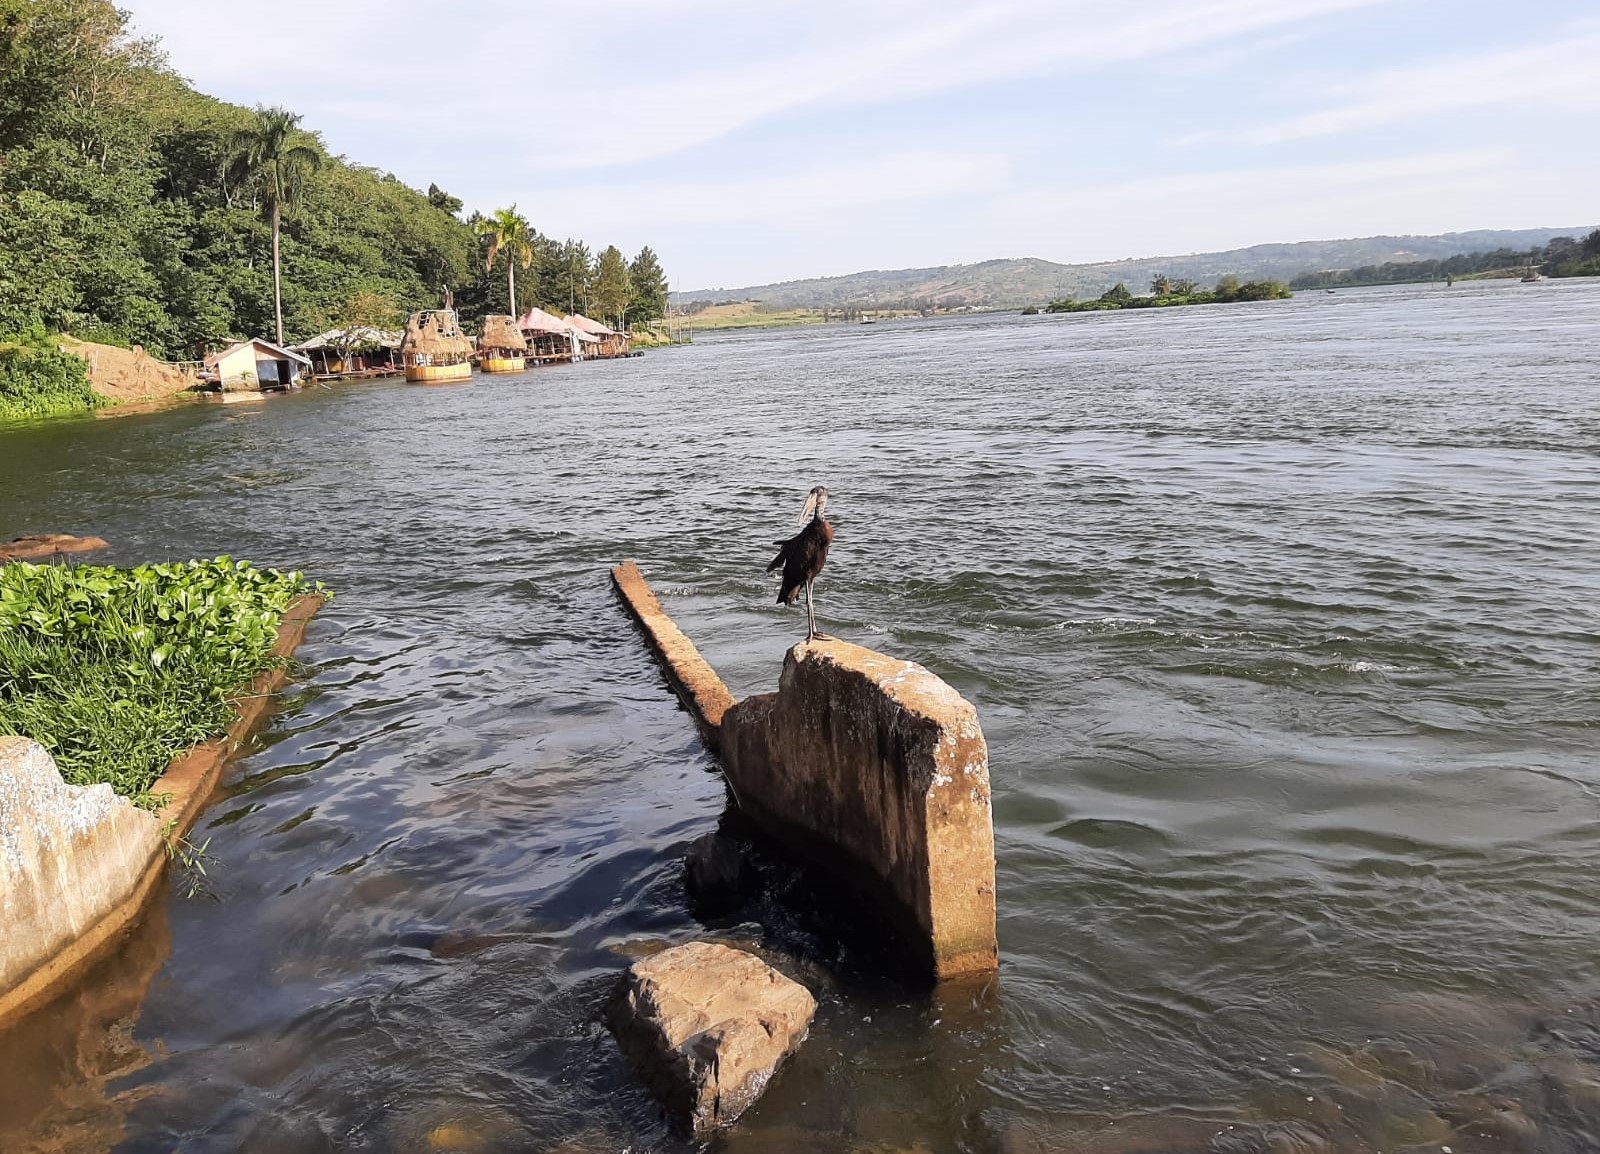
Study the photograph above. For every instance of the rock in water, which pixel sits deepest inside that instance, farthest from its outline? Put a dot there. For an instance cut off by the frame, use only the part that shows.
(46, 545)
(716, 873)
(706, 1027)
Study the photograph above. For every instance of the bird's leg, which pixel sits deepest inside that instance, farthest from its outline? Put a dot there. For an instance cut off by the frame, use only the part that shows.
(811, 615)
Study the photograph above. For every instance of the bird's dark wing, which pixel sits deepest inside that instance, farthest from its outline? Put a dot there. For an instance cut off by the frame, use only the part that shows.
(785, 548)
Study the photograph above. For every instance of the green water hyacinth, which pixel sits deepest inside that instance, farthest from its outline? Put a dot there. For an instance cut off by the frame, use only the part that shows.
(117, 671)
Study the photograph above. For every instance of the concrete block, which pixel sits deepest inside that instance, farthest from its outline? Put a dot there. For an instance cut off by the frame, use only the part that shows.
(70, 857)
(876, 769)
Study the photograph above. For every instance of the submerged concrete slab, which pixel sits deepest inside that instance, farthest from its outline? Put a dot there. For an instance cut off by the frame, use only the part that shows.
(694, 681)
(876, 769)
(706, 1027)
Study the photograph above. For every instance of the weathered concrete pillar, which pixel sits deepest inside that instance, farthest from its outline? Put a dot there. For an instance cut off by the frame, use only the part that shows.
(76, 863)
(877, 770)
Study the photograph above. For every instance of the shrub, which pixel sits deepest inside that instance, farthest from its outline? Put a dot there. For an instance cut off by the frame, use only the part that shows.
(1262, 290)
(35, 382)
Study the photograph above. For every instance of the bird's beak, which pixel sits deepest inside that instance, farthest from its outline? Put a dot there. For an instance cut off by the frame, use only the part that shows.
(810, 509)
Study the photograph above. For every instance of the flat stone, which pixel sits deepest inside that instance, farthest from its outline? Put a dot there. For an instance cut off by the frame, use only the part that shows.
(706, 1026)
(47, 545)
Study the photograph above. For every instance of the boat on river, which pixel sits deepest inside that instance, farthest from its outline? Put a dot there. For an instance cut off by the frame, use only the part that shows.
(435, 349)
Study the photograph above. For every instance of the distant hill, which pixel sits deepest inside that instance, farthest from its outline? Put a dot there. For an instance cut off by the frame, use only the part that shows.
(1013, 283)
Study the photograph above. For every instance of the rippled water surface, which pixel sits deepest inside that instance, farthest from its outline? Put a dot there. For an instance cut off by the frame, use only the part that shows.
(1280, 620)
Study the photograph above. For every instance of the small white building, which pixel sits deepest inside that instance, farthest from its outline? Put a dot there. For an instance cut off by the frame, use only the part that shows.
(256, 364)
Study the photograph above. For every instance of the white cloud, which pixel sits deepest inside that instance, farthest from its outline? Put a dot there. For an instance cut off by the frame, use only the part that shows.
(801, 196)
(1557, 75)
(702, 71)
(747, 142)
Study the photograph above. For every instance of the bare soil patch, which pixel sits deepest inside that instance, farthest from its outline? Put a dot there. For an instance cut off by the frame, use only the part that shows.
(129, 374)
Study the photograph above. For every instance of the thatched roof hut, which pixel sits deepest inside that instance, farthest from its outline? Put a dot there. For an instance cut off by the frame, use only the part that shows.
(501, 333)
(435, 337)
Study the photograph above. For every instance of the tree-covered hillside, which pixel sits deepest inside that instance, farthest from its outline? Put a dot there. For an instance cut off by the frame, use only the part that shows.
(1009, 283)
(119, 221)
(1562, 256)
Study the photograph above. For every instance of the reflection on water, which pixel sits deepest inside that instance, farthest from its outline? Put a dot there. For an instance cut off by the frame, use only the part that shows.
(1279, 618)
(55, 1066)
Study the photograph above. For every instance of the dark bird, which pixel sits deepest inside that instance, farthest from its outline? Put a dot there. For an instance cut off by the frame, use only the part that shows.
(803, 555)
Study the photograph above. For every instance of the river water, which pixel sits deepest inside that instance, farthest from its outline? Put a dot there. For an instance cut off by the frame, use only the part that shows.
(1280, 620)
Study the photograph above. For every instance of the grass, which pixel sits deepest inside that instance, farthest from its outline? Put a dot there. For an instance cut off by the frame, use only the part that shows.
(745, 315)
(117, 671)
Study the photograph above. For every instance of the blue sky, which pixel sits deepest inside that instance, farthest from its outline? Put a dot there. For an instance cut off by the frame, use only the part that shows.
(758, 140)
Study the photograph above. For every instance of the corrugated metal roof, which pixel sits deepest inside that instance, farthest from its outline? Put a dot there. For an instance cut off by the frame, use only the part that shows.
(539, 321)
(268, 345)
(360, 336)
(580, 321)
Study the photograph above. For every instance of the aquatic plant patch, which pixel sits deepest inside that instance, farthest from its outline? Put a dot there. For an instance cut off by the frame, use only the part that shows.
(117, 671)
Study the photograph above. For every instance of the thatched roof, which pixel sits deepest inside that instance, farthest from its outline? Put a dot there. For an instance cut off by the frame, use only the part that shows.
(579, 321)
(436, 333)
(355, 337)
(501, 332)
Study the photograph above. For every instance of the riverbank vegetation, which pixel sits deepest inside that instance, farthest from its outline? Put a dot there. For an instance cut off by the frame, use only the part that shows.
(137, 211)
(39, 380)
(1168, 293)
(117, 671)
(1564, 256)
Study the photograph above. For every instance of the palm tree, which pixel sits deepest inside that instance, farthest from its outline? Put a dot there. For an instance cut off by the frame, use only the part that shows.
(508, 233)
(269, 158)
(1160, 285)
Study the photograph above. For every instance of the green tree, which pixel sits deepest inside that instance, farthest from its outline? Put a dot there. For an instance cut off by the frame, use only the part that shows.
(355, 316)
(118, 220)
(1183, 288)
(1227, 288)
(508, 233)
(1118, 294)
(270, 159)
(611, 287)
(443, 201)
(1160, 285)
(574, 270)
(647, 286)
